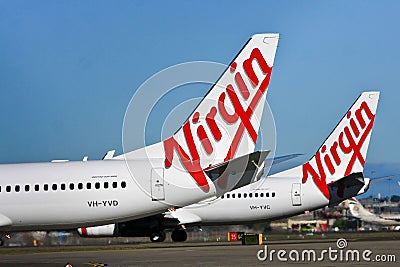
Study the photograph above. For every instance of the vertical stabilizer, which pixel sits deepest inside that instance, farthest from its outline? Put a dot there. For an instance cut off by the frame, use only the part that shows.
(345, 150)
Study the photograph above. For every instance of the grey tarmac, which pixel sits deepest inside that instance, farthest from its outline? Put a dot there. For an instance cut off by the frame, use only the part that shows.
(193, 254)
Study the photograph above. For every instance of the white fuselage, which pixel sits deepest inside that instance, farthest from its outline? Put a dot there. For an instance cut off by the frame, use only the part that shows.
(36, 196)
(268, 199)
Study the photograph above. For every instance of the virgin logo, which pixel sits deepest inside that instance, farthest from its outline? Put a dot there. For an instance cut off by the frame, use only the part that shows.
(344, 152)
(240, 117)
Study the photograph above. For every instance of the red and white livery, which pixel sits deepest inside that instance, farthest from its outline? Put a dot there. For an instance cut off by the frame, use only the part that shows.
(65, 195)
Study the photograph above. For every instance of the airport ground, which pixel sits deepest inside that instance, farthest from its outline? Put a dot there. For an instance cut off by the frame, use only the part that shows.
(386, 245)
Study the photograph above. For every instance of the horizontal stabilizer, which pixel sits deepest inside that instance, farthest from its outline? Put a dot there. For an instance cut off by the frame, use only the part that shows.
(280, 159)
(183, 216)
(384, 178)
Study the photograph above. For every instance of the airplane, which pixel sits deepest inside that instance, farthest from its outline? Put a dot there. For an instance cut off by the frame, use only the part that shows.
(358, 211)
(221, 132)
(332, 175)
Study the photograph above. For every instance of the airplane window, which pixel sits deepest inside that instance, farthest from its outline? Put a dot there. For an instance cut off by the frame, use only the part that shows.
(250, 194)
(244, 195)
(255, 194)
(62, 186)
(227, 195)
(97, 185)
(17, 188)
(36, 187)
(239, 195)
(71, 186)
(233, 195)
(123, 184)
(27, 187)
(45, 187)
(0, 188)
(88, 185)
(115, 184)
(8, 188)
(222, 197)
(105, 185)
(261, 194)
(267, 194)
(80, 186)
(273, 194)
(54, 187)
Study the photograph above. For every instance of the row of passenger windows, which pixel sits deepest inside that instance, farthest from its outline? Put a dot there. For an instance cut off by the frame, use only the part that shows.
(54, 187)
(248, 195)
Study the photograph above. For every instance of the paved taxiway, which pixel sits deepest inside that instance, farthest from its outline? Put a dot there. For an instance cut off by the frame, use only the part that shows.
(189, 254)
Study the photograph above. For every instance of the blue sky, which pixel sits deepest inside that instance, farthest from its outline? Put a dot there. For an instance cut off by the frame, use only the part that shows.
(69, 68)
